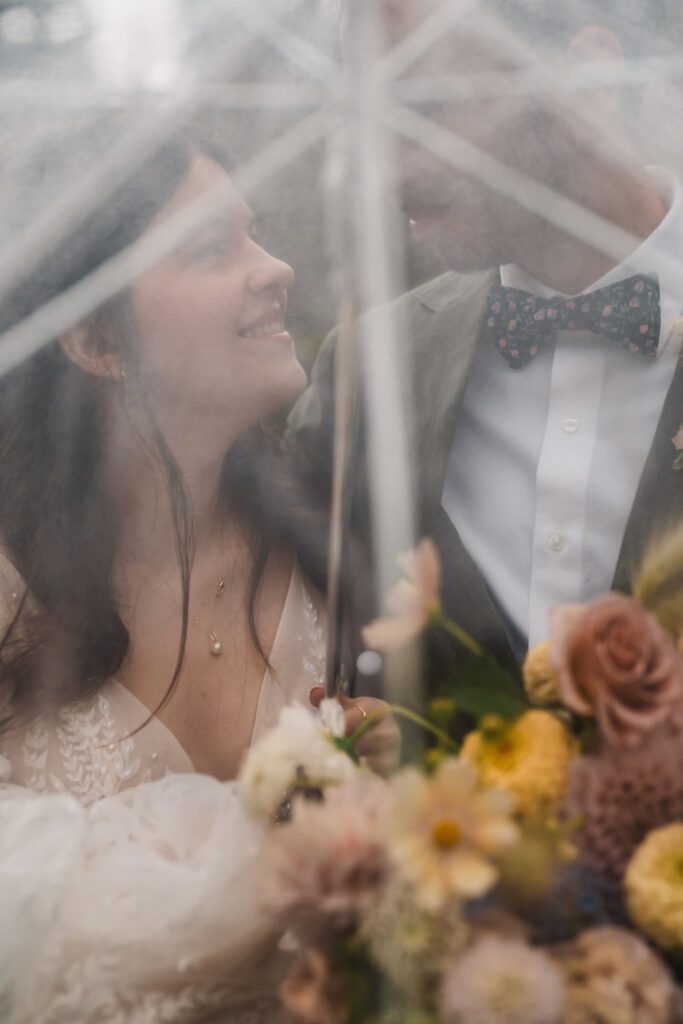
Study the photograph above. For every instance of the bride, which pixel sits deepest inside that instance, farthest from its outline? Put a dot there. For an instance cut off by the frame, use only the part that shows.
(160, 584)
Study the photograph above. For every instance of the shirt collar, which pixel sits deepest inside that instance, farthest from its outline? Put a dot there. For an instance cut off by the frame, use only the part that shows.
(660, 254)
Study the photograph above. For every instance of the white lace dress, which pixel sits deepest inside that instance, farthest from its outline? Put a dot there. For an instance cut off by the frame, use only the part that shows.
(128, 891)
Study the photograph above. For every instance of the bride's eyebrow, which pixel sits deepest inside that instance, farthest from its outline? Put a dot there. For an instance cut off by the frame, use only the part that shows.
(226, 225)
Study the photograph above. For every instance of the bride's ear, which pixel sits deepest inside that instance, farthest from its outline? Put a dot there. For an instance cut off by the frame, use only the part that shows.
(91, 346)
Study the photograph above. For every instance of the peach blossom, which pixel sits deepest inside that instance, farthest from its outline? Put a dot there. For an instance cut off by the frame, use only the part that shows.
(411, 602)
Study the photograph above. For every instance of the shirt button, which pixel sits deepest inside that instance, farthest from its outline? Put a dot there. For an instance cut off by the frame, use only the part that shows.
(557, 541)
(570, 425)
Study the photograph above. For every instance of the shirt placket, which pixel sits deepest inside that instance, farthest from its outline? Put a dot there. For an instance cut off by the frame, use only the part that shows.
(562, 477)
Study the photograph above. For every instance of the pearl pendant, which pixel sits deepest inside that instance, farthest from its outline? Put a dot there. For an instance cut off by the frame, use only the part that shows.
(215, 646)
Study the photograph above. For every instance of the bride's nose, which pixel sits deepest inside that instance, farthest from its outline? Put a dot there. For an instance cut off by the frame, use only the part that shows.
(269, 272)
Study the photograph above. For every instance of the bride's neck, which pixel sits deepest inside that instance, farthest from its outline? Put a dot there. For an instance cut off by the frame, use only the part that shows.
(147, 494)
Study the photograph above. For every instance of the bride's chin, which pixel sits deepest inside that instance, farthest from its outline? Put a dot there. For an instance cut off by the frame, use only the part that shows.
(280, 393)
(290, 384)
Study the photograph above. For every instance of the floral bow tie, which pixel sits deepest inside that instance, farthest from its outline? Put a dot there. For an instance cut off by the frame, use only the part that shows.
(628, 314)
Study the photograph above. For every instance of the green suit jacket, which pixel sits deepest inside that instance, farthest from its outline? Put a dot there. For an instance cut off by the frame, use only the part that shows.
(439, 327)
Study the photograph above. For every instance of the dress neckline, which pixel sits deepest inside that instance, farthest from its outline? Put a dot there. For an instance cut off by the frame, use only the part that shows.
(166, 737)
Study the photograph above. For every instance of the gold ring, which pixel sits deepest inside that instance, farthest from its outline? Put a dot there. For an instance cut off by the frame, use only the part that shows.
(362, 711)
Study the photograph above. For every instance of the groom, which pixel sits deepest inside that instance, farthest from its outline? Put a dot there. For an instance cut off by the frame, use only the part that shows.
(542, 438)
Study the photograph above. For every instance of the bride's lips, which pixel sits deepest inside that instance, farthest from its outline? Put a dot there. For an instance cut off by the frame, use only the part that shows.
(270, 324)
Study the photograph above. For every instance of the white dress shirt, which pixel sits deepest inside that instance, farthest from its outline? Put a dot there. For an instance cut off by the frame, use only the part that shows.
(546, 460)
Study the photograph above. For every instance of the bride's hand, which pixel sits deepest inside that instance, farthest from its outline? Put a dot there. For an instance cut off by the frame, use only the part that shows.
(380, 746)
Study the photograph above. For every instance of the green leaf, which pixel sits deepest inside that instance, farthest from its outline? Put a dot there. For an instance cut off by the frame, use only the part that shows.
(482, 687)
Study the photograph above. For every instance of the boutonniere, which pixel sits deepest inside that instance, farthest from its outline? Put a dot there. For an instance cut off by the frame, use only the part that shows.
(678, 445)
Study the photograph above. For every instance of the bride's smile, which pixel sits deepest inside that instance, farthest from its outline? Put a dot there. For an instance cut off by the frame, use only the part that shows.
(210, 318)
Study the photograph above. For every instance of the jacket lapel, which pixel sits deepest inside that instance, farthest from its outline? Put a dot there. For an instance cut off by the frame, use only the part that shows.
(443, 339)
(658, 504)
(450, 312)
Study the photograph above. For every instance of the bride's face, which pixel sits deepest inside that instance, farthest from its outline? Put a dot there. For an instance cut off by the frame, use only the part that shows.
(210, 317)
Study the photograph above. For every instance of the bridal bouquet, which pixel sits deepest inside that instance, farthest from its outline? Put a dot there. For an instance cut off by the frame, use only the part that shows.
(528, 871)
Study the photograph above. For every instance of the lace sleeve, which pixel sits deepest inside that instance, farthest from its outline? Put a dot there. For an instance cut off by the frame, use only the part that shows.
(141, 907)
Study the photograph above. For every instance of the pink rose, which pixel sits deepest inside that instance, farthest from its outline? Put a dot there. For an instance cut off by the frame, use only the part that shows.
(615, 661)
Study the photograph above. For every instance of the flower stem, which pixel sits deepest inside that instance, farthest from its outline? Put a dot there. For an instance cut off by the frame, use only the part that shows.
(460, 634)
(401, 712)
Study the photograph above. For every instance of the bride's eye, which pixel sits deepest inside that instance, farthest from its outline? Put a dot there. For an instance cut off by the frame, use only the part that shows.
(213, 248)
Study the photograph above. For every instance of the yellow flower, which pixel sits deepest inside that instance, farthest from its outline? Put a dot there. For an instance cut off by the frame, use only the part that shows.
(444, 831)
(540, 682)
(412, 602)
(654, 886)
(529, 757)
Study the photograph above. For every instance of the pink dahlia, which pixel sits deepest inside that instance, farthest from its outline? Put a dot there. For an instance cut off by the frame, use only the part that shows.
(621, 795)
(324, 869)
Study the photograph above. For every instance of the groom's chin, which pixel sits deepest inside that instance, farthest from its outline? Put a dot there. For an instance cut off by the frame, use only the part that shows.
(461, 256)
(458, 242)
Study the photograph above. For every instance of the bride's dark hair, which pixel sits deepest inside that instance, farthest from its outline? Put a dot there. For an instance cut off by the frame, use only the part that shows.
(59, 523)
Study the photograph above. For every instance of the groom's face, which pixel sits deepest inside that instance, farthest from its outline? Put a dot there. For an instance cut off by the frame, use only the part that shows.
(463, 206)
(452, 205)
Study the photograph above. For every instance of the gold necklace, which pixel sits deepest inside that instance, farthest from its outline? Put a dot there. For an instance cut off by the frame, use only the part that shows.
(215, 643)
